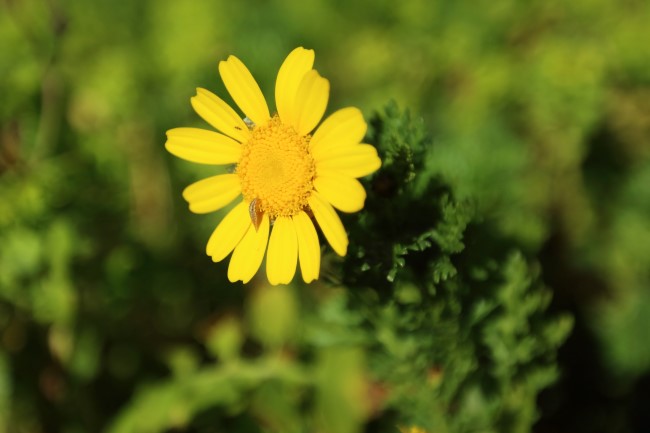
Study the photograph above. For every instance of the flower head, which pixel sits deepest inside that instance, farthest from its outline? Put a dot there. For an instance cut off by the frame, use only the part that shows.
(286, 177)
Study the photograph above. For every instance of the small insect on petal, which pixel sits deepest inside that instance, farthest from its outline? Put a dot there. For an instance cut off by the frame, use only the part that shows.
(255, 213)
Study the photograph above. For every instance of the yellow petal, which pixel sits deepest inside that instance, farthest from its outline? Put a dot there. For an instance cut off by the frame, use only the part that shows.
(356, 161)
(229, 232)
(294, 68)
(330, 223)
(213, 193)
(308, 247)
(282, 255)
(202, 146)
(343, 127)
(311, 101)
(244, 90)
(343, 192)
(248, 255)
(220, 115)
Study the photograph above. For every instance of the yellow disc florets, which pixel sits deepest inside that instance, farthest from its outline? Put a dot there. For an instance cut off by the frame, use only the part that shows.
(276, 169)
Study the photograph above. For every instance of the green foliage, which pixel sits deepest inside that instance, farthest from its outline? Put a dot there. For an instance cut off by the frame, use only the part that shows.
(454, 327)
(513, 201)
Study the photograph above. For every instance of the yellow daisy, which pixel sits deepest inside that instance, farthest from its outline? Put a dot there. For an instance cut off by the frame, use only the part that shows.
(285, 176)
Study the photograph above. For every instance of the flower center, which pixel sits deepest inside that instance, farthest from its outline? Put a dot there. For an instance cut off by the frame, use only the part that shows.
(276, 169)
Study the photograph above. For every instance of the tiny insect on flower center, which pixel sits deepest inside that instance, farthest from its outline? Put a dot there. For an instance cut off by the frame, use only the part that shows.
(276, 169)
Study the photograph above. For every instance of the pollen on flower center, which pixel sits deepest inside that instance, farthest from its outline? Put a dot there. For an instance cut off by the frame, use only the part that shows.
(276, 169)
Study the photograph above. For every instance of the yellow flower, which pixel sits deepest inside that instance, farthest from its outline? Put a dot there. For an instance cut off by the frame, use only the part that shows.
(285, 175)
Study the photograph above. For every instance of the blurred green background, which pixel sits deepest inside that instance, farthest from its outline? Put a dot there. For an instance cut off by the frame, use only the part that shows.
(113, 319)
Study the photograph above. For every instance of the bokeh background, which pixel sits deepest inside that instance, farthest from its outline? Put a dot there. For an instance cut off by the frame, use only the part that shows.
(113, 319)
